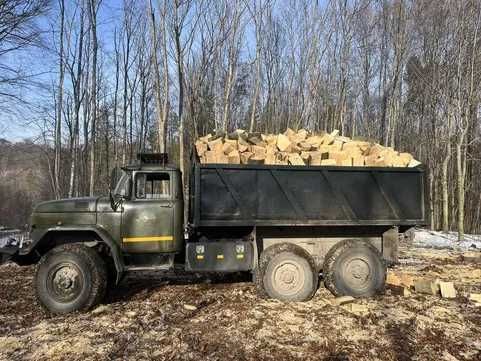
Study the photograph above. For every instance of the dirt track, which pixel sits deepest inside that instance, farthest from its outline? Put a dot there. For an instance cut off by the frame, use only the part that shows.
(153, 320)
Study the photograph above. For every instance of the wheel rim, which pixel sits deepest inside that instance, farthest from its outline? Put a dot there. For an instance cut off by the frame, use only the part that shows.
(288, 278)
(357, 273)
(65, 282)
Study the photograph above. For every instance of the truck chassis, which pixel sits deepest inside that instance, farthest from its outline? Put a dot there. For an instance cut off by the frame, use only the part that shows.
(286, 225)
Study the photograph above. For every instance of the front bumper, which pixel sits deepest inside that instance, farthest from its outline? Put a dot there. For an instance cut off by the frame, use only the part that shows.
(11, 245)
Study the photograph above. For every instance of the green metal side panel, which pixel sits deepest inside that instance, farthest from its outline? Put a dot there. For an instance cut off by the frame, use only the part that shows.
(64, 219)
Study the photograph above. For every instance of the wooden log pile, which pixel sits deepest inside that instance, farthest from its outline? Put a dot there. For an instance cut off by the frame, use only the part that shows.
(298, 148)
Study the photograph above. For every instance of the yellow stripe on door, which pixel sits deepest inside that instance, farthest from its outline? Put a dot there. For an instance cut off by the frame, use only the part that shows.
(148, 239)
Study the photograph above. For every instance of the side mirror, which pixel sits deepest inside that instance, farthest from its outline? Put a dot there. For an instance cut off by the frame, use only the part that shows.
(116, 200)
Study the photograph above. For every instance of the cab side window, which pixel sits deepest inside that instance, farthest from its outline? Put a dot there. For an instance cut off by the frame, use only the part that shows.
(152, 185)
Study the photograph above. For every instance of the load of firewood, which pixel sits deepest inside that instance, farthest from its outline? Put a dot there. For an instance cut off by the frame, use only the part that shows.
(298, 148)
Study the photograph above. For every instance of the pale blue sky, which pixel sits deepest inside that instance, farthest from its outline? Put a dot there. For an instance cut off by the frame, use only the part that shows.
(20, 120)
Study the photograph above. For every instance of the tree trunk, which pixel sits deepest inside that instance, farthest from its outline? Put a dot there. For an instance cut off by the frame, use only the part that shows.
(444, 184)
(256, 89)
(157, 89)
(165, 62)
(461, 175)
(228, 89)
(116, 91)
(180, 80)
(58, 119)
(432, 220)
(93, 27)
(125, 69)
(444, 179)
(77, 101)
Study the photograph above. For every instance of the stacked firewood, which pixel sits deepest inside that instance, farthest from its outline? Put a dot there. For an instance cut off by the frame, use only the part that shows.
(298, 148)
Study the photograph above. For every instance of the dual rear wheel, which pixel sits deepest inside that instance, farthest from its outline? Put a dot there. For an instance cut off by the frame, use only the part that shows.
(288, 273)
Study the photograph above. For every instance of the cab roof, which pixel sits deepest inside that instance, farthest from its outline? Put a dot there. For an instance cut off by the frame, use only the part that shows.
(151, 162)
(150, 167)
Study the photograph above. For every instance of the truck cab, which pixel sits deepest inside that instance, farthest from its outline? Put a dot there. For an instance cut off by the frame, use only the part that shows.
(148, 201)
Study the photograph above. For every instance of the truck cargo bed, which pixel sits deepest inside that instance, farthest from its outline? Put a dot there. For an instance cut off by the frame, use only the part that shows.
(265, 195)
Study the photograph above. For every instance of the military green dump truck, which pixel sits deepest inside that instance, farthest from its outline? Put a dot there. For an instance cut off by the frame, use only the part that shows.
(289, 226)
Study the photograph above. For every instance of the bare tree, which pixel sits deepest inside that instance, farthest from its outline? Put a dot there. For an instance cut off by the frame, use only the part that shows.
(128, 30)
(75, 69)
(256, 12)
(116, 96)
(467, 99)
(161, 105)
(444, 174)
(93, 9)
(179, 17)
(18, 31)
(234, 38)
(58, 119)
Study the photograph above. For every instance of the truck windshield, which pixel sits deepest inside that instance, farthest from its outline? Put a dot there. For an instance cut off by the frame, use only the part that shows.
(122, 188)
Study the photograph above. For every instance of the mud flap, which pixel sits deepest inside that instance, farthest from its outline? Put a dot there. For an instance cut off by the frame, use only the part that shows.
(390, 241)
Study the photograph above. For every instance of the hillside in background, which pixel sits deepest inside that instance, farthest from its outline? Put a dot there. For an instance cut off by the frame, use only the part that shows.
(23, 181)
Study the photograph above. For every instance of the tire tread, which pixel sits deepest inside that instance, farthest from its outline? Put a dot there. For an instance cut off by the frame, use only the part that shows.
(328, 269)
(269, 253)
(96, 266)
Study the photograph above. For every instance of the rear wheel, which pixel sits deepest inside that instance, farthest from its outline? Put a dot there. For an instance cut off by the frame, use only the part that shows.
(354, 268)
(286, 272)
(69, 278)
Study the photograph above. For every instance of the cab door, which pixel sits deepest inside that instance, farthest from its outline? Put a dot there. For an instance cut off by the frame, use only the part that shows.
(147, 224)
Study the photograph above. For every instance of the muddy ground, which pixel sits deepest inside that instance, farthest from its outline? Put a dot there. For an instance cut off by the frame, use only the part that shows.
(146, 319)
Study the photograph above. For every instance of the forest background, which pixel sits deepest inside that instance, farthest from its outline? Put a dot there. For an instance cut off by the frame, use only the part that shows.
(87, 84)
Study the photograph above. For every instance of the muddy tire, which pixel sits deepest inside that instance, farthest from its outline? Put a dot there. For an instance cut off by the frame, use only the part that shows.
(69, 278)
(354, 268)
(286, 272)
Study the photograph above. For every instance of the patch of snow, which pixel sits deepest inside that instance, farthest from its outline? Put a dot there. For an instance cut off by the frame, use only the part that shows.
(445, 240)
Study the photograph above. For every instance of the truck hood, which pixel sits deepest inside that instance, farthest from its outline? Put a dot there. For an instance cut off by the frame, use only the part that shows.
(83, 204)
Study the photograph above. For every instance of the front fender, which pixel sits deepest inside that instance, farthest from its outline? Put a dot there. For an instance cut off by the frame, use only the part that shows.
(41, 237)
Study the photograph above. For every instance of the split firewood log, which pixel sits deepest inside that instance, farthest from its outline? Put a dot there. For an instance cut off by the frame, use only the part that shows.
(298, 147)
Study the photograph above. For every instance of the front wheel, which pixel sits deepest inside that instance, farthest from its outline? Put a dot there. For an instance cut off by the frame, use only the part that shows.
(354, 268)
(69, 278)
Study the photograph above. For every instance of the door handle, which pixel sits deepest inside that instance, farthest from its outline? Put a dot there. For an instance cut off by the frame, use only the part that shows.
(169, 205)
